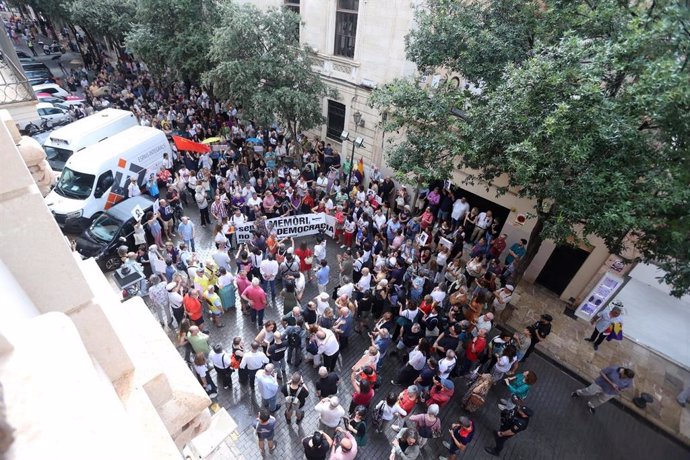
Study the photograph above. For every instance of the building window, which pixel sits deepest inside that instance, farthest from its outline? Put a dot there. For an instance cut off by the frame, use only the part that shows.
(336, 120)
(346, 28)
(292, 5)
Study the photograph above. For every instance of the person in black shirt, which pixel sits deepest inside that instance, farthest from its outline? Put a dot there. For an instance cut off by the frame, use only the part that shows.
(317, 446)
(448, 340)
(295, 394)
(276, 353)
(538, 331)
(327, 384)
(512, 422)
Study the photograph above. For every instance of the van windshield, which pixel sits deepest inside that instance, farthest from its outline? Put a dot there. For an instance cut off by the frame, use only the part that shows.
(57, 157)
(104, 228)
(73, 184)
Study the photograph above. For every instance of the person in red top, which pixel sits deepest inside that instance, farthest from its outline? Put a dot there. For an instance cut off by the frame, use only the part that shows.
(473, 350)
(305, 260)
(192, 305)
(497, 247)
(441, 392)
(426, 304)
(256, 297)
(362, 395)
(243, 283)
(427, 219)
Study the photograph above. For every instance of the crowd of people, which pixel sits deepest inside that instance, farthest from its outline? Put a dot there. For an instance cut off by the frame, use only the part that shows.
(425, 277)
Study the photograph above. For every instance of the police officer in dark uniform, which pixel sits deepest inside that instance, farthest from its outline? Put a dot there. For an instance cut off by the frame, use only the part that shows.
(513, 421)
(539, 331)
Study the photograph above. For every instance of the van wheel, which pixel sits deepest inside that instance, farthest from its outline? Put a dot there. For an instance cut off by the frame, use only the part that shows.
(112, 263)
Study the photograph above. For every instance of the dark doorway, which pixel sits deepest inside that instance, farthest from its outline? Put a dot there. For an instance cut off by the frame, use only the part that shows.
(561, 267)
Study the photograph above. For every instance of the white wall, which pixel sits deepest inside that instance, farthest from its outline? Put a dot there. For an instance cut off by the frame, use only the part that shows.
(653, 318)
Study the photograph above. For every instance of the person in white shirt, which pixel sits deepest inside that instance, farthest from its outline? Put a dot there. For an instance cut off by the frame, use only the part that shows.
(485, 321)
(269, 270)
(252, 361)
(320, 249)
(460, 209)
(330, 411)
(133, 188)
(484, 220)
(364, 283)
(502, 297)
(329, 348)
(175, 300)
(446, 365)
(221, 362)
(347, 287)
(322, 302)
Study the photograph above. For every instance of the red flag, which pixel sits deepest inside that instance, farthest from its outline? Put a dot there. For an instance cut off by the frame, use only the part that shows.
(185, 144)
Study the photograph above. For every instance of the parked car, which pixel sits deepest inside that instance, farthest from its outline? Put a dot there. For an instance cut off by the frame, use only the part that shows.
(55, 115)
(49, 98)
(111, 229)
(51, 88)
(35, 66)
(39, 77)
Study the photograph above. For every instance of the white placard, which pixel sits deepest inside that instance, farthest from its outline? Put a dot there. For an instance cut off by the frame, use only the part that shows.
(137, 213)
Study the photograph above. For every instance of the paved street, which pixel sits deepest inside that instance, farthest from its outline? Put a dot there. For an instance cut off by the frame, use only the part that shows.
(561, 427)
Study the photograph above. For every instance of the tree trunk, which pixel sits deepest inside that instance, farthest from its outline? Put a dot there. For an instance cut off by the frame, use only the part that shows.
(533, 246)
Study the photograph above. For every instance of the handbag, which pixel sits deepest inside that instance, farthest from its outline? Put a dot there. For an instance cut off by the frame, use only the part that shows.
(308, 260)
(312, 347)
(234, 362)
(334, 294)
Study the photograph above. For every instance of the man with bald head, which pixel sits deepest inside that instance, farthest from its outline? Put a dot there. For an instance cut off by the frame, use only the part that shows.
(344, 326)
(328, 348)
(346, 449)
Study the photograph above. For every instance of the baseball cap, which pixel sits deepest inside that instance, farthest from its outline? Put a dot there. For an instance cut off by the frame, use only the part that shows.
(170, 286)
(448, 384)
(510, 287)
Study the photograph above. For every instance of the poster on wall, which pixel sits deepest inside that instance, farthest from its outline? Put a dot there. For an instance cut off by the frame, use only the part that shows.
(602, 292)
(291, 226)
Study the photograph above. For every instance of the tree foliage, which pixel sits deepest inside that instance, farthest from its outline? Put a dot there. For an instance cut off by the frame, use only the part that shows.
(174, 35)
(589, 116)
(108, 18)
(258, 63)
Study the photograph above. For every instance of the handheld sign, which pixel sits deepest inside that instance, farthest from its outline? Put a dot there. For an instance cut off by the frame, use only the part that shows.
(137, 213)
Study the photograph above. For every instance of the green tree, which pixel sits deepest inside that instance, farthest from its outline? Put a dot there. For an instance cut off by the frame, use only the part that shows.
(174, 36)
(258, 64)
(107, 18)
(591, 122)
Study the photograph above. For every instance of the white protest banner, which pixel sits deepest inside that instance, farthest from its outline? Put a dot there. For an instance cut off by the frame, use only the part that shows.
(291, 226)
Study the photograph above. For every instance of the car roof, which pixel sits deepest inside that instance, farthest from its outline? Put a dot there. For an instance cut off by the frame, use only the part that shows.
(123, 210)
(45, 105)
(38, 88)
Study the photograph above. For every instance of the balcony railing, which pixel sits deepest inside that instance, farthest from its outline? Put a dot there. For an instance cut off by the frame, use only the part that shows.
(14, 87)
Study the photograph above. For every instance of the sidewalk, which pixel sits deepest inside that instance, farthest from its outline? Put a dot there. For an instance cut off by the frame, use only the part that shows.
(566, 345)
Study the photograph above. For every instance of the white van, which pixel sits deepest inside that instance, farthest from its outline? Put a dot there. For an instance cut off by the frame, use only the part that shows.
(97, 177)
(63, 142)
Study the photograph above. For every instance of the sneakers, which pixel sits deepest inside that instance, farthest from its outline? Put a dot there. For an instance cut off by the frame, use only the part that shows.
(395, 428)
(596, 347)
(589, 340)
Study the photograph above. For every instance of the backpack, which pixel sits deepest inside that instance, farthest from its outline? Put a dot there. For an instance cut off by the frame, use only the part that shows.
(293, 339)
(377, 416)
(427, 432)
